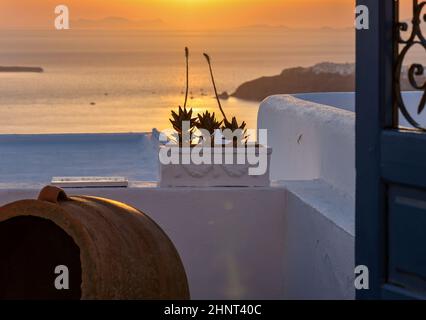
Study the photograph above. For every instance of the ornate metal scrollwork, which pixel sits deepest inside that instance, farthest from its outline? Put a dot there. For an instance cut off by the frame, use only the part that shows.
(416, 70)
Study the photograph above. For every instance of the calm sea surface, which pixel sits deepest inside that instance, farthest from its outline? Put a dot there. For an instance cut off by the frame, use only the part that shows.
(128, 81)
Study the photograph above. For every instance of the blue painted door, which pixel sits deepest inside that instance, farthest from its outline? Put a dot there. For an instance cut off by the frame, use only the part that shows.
(391, 160)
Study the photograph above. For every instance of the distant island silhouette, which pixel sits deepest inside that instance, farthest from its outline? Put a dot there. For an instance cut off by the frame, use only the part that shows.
(117, 23)
(21, 69)
(323, 77)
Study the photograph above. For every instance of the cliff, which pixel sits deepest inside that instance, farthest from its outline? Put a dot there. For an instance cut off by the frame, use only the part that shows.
(21, 69)
(324, 77)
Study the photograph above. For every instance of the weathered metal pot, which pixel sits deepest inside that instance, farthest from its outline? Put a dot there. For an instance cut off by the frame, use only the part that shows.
(111, 250)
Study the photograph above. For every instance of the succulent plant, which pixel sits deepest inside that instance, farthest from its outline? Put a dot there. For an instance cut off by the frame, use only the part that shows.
(208, 121)
(234, 126)
(187, 76)
(214, 85)
(178, 119)
(183, 114)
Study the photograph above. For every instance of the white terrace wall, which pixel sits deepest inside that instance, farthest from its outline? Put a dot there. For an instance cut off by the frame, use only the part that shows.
(230, 239)
(314, 158)
(310, 141)
(294, 240)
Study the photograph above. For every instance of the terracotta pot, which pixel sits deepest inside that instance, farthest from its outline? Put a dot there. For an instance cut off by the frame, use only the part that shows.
(111, 250)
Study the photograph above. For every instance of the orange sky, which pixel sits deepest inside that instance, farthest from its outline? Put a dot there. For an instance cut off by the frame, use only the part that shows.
(188, 14)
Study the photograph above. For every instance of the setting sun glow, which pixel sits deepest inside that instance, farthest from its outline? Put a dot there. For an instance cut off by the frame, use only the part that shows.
(186, 14)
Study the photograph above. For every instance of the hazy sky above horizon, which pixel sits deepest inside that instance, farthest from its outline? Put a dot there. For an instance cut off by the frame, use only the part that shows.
(185, 14)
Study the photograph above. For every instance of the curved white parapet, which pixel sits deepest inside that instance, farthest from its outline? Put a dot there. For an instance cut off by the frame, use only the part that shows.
(340, 100)
(314, 145)
(310, 141)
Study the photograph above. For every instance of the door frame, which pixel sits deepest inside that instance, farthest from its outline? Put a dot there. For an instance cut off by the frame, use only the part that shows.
(374, 102)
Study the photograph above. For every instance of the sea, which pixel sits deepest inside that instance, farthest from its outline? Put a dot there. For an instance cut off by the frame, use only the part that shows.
(124, 81)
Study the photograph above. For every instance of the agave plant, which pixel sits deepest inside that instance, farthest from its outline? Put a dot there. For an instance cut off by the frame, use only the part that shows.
(214, 85)
(233, 124)
(183, 114)
(178, 119)
(208, 122)
(187, 76)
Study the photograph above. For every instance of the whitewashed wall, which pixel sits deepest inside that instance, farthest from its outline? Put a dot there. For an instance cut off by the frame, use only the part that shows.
(310, 141)
(294, 240)
(230, 240)
(314, 158)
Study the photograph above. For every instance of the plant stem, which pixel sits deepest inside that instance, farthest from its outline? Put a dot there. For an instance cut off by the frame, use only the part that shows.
(214, 86)
(187, 75)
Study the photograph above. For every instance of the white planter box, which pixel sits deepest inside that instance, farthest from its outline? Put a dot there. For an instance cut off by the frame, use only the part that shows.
(216, 175)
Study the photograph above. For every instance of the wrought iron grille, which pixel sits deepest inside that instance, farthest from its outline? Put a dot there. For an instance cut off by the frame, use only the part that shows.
(416, 70)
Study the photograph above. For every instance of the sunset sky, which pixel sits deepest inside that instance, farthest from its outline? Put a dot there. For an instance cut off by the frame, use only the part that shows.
(185, 14)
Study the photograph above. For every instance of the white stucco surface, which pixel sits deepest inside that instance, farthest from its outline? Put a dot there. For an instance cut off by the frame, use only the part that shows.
(281, 242)
(341, 100)
(319, 232)
(310, 141)
(294, 240)
(346, 101)
(231, 240)
(314, 159)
